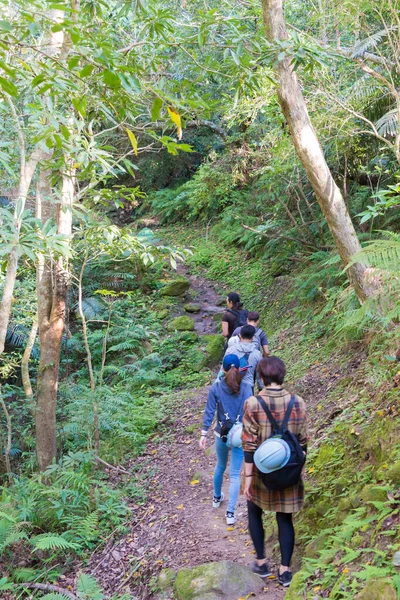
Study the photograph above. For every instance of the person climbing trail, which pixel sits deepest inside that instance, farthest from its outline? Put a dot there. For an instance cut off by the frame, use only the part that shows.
(253, 318)
(284, 502)
(226, 397)
(246, 349)
(235, 316)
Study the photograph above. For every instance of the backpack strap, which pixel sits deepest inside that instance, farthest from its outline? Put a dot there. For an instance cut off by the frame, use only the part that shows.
(288, 413)
(283, 427)
(274, 424)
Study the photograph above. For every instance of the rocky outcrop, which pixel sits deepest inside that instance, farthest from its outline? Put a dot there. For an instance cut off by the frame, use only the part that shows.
(216, 581)
(177, 287)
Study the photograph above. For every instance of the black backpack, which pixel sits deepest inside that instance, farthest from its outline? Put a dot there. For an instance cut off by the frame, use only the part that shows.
(290, 474)
(241, 317)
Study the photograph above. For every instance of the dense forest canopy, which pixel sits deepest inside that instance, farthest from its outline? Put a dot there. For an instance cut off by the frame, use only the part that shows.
(138, 136)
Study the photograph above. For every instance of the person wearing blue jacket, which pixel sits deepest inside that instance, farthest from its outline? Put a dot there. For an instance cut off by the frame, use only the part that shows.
(226, 398)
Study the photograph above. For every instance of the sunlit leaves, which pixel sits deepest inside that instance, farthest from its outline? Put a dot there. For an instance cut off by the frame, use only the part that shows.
(133, 140)
(176, 119)
(156, 109)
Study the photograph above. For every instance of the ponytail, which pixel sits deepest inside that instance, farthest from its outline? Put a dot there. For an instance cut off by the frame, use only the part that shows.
(233, 379)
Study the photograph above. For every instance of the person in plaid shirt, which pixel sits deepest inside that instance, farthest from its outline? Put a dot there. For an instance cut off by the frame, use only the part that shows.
(256, 429)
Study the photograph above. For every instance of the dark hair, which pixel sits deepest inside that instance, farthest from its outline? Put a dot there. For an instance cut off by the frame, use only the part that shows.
(253, 316)
(247, 332)
(271, 370)
(233, 379)
(235, 299)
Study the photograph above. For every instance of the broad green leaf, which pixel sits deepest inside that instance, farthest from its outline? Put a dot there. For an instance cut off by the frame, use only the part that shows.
(133, 140)
(156, 109)
(86, 71)
(73, 62)
(111, 79)
(80, 105)
(8, 87)
(176, 118)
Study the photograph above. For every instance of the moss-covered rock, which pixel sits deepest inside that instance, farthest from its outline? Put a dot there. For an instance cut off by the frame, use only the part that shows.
(216, 581)
(163, 314)
(214, 348)
(177, 287)
(378, 589)
(192, 307)
(393, 473)
(373, 493)
(166, 578)
(317, 544)
(183, 323)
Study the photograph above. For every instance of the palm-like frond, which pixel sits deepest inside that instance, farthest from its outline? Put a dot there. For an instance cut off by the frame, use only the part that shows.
(388, 124)
(371, 42)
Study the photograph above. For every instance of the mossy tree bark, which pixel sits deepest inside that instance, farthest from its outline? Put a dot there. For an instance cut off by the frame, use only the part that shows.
(312, 157)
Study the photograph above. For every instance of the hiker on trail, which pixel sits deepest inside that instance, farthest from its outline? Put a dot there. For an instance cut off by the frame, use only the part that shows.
(226, 398)
(235, 316)
(246, 349)
(260, 336)
(256, 429)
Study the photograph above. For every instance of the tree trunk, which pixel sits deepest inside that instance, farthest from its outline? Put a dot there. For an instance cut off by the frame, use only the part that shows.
(52, 287)
(312, 157)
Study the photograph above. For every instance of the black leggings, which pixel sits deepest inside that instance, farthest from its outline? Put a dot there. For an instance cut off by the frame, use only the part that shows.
(285, 532)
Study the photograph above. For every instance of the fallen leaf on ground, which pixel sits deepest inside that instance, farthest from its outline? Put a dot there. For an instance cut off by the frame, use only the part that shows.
(195, 482)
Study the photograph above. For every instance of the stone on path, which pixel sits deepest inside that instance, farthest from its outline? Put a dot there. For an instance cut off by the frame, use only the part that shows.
(224, 580)
(177, 287)
(183, 323)
(192, 307)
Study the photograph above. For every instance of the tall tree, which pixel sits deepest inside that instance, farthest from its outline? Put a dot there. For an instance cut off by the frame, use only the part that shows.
(310, 152)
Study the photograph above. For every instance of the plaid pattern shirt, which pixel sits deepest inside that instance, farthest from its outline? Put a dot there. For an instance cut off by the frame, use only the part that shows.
(256, 429)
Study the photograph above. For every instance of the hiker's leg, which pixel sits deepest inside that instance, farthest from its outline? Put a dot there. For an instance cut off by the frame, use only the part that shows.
(286, 538)
(237, 456)
(222, 460)
(256, 528)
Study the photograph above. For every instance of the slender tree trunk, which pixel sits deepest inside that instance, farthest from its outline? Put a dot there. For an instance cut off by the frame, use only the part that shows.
(9, 439)
(312, 157)
(52, 287)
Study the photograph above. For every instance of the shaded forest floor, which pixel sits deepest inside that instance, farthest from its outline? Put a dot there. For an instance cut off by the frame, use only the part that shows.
(177, 526)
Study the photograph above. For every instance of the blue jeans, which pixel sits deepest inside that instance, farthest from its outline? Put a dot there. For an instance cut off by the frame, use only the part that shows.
(237, 456)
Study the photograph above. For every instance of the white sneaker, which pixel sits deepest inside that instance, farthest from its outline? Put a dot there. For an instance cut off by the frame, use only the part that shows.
(230, 518)
(217, 501)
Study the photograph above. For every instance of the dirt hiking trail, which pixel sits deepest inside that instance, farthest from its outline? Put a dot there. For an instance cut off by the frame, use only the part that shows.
(178, 527)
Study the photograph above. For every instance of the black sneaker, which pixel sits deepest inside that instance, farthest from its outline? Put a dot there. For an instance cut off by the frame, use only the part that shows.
(285, 578)
(261, 570)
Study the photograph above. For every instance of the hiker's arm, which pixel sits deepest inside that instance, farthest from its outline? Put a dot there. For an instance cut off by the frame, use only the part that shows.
(225, 328)
(265, 350)
(208, 416)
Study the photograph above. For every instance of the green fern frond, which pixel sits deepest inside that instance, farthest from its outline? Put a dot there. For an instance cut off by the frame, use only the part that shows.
(51, 541)
(88, 588)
